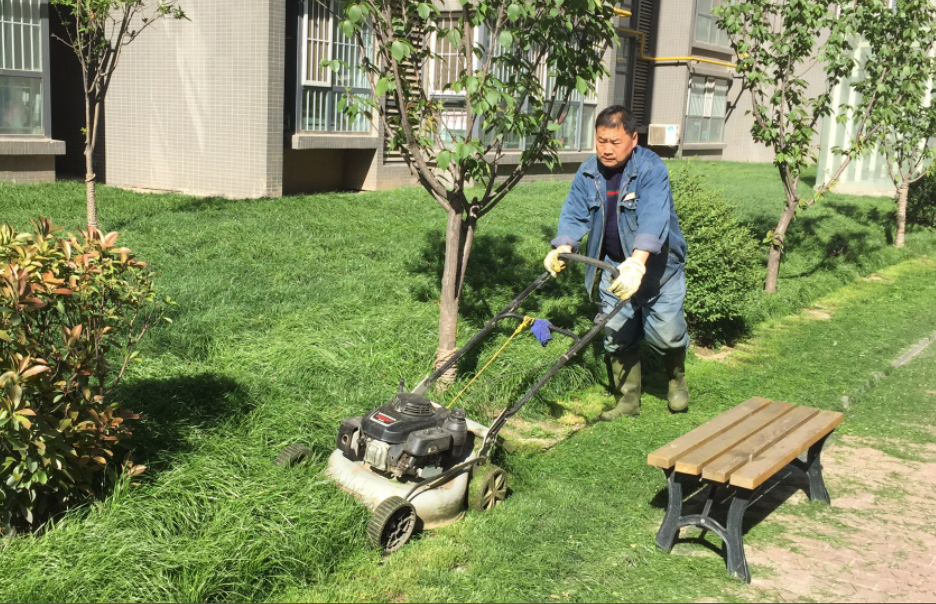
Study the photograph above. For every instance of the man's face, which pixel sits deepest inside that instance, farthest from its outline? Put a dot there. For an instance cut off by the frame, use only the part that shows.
(614, 146)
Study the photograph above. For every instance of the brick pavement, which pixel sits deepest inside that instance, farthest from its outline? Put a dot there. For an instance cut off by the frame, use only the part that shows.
(877, 543)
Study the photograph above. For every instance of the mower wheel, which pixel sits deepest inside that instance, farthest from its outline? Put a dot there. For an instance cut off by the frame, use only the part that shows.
(487, 488)
(291, 455)
(392, 524)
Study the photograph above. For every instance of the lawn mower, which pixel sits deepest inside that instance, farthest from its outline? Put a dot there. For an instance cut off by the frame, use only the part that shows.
(418, 465)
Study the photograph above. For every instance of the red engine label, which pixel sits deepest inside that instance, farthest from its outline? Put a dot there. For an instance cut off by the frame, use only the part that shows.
(384, 419)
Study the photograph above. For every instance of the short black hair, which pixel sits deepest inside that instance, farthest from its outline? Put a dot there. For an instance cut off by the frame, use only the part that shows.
(616, 116)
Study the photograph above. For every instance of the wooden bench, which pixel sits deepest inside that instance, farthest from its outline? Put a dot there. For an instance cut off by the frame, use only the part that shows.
(736, 453)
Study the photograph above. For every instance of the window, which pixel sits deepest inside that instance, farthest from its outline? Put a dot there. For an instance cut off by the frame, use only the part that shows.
(576, 131)
(706, 26)
(21, 83)
(322, 87)
(705, 114)
(624, 70)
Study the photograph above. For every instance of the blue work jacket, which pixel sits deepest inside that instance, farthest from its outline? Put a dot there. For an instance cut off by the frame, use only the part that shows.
(646, 217)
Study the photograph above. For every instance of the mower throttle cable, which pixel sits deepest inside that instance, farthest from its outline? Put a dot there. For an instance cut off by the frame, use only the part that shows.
(527, 321)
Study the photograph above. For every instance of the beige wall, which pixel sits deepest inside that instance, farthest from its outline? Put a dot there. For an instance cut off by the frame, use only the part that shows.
(27, 168)
(197, 106)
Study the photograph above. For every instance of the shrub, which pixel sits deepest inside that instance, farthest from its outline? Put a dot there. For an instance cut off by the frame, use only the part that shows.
(723, 265)
(921, 201)
(71, 310)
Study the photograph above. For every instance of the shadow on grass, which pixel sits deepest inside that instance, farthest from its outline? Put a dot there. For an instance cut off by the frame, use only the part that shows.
(834, 243)
(176, 409)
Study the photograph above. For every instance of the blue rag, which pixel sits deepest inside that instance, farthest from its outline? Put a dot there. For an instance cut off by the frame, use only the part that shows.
(540, 329)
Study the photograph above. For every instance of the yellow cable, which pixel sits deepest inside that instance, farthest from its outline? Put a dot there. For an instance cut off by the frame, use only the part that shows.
(527, 321)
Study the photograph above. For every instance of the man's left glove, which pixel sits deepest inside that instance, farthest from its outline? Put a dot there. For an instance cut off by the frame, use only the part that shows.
(628, 281)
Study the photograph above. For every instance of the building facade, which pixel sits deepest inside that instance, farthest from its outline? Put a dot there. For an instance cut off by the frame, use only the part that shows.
(235, 101)
(27, 149)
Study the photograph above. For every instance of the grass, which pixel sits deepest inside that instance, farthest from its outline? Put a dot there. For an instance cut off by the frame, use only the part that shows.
(296, 313)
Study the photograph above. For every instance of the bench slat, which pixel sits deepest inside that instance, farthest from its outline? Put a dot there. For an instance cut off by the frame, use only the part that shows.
(694, 462)
(666, 456)
(720, 469)
(755, 473)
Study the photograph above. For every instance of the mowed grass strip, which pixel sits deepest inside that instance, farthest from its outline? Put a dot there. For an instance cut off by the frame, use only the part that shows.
(295, 313)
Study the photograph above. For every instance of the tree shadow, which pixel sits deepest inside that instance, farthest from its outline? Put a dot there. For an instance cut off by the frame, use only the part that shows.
(496, 274)
(176, 409)
(849, 246)
(496, 271)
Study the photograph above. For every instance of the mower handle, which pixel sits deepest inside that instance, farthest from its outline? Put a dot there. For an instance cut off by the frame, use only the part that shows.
(509, 311)
(605, 266)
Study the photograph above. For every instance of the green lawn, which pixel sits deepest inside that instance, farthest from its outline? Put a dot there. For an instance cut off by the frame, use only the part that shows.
(298, 312)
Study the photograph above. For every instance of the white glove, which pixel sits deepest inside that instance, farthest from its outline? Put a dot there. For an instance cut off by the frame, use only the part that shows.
(628, 281)
(552, 262)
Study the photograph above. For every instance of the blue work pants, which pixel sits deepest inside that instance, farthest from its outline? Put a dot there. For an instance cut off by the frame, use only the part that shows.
(656, 316)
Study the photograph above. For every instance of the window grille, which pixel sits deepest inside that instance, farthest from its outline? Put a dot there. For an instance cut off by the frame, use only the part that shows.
(322, 87)
(706, 26)
(706, 110)
(21, 85)
(21, 33)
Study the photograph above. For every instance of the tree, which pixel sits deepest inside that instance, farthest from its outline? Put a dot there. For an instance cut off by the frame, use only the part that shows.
(98, 31)
(516, 64)
(902, 41)
(776, 42)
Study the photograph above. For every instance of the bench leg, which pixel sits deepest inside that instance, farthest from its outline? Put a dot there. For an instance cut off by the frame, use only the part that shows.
(734, 536)
(813, 469)
(666, 536)
(817, 488)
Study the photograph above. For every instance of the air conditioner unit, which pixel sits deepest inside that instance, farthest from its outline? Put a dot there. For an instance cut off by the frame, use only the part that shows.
(663, 135)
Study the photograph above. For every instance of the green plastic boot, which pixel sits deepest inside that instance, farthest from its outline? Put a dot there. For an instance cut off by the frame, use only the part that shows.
(677, 395)
(625, 371)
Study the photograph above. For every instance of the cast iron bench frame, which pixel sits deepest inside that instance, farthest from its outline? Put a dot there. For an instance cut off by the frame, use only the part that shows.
(737, 452)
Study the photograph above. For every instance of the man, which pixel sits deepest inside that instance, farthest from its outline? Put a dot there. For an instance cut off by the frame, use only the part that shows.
(620, 198)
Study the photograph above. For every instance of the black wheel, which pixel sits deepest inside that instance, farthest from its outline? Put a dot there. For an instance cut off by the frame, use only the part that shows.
(392, 524)
(487, 488)
(291, 455)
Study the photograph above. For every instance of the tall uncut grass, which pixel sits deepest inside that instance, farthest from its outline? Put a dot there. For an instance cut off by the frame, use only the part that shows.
(297, 312)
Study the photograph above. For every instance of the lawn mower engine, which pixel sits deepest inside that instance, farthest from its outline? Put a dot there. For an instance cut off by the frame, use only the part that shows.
(407, 437)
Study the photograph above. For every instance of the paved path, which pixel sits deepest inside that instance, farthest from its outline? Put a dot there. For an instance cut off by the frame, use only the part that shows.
(878, 544)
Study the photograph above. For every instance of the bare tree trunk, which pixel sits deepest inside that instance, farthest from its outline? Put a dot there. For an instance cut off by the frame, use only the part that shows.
(902, 192)
(448, 304)
(776, 246)
(89, 189)
(91, 116)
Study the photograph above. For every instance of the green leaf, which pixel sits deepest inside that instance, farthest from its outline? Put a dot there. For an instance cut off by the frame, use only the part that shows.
(514, 12)
(505, 38)
(443, 159)
(423, 10)
(454, 37)
(471, 84)
(381, 87)
(5, 336)
(399, 50)
(553, 127)
(347, 28)
(581, 85)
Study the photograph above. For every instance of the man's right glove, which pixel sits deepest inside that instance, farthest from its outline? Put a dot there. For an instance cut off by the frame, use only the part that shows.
(628, 281)
(552, 262)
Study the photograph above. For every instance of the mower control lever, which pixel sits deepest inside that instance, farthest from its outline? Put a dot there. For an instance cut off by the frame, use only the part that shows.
(605, 266)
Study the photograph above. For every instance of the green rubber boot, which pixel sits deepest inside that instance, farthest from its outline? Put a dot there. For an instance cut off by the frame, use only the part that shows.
(678, 393)
(625, 371)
